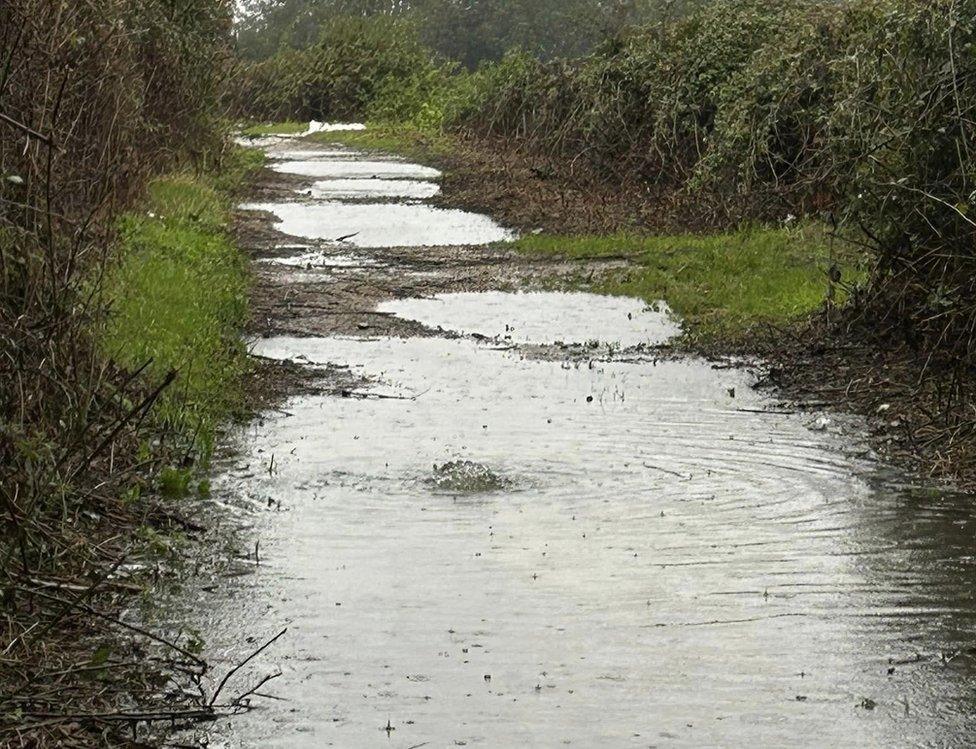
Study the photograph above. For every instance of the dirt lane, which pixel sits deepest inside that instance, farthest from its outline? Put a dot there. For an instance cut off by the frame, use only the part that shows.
(517, 525)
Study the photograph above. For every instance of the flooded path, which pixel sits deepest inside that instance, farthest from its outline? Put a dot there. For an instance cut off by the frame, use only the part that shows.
(514, 524)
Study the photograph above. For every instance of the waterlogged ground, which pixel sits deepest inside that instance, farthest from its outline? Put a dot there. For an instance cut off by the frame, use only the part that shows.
(520, 527)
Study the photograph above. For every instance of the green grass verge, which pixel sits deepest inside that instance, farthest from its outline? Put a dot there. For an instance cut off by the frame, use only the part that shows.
(411, 144)
(721, 285)
(178, 298)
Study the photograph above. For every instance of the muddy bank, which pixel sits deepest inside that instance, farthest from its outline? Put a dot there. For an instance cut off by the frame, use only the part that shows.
(305, 283)
(519, 523)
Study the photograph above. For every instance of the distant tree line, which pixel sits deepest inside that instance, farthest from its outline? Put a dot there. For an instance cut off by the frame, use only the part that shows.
(468, 31)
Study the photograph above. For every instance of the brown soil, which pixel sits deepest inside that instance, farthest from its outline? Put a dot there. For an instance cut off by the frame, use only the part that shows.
(342, 299)
(920, 417)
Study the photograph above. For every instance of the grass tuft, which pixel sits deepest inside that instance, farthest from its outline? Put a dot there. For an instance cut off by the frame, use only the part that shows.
(721, 285)
(178, 298)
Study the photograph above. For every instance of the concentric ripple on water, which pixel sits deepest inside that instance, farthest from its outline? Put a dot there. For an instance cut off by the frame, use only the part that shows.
(670, 559)
(674, 568)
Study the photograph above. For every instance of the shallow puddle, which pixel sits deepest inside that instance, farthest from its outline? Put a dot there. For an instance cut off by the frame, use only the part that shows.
(658, 563)
(479, 547)
(357, 189)
(320, 259)
(383, 224)
(355, 169)
(311, 154)
(543, 317)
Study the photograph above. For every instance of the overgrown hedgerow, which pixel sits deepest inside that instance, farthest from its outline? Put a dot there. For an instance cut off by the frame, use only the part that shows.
(97, 97)
(859, 114)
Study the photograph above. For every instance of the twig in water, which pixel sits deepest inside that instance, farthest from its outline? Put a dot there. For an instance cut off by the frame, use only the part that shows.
(239, 666)
(254, 690)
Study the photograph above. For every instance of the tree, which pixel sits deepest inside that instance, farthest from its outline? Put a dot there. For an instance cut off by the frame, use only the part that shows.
(469, 31)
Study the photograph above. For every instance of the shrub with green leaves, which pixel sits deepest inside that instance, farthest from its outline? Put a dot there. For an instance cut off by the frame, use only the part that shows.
(337, 77)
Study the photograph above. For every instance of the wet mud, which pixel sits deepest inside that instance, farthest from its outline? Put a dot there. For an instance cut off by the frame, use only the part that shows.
(518, 523)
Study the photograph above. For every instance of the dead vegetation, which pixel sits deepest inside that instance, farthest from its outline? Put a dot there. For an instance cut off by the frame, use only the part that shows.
(95, 96)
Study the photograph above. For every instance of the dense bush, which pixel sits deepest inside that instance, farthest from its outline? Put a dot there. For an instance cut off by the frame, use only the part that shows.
(95, 96)
(340, 75)
(644, 103)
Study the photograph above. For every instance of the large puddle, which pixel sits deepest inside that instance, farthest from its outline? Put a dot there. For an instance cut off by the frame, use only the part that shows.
(543, 317)
(344, 168)
(381, 225)
(485, 548)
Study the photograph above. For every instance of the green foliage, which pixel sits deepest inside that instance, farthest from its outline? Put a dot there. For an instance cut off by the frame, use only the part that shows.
(423, 101)
(230, 176)
(721, 285)
(337, 77)
(174, 482)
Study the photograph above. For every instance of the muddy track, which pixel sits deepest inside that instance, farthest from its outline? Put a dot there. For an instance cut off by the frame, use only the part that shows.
(337, 291)
(506, 519)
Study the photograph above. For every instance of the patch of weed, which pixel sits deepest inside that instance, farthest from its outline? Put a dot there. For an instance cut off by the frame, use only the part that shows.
(721, 285)
(178, 300)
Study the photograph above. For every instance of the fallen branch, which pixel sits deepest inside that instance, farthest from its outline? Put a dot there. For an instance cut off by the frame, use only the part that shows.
(29, 130)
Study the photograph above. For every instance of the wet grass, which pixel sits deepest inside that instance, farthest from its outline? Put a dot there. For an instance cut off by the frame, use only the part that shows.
(411, 144)
(721, 285)
(178, 298)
